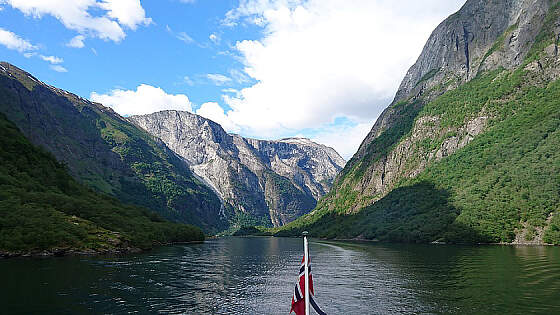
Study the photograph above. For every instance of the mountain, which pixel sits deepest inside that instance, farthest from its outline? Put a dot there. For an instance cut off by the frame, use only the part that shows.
(104, 151)
(43, 210)
(468, 151)
(260, 182)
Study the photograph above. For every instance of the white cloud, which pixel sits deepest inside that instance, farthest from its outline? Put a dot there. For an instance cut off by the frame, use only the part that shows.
(239, 76)
(214, 38)
(76, 42)
(129, 13)
(145, 100)
(230, 90)
(51, 59)
(213, 111)
(218, 79)
(344, 139)
(104, 19)
(14, 42)
(58, 68)
(182, 36)
(323, 59)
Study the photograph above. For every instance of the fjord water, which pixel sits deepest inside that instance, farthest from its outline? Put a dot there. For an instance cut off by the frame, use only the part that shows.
(257, 275)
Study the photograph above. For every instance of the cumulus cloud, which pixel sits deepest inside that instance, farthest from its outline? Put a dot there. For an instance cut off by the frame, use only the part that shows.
(129, 13)
(77, 42)
(58, 68)
(344, 139)
(239, 76)
(218, 79)
(214, 38)
(213, 111)
(14, 42)
(51, 59)
(320, 60)
(145, 99)
(104, 19)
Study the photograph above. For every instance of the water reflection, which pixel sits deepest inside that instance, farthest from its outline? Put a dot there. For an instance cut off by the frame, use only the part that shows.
(256, 276)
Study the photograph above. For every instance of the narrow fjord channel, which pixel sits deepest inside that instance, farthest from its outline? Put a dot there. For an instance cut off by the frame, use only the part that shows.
(256, 276)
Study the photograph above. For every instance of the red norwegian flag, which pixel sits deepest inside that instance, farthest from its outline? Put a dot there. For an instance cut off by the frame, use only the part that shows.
(298, 299)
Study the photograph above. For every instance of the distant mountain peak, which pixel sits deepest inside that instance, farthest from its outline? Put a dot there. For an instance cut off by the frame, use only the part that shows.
(105, 151)
(271, 180)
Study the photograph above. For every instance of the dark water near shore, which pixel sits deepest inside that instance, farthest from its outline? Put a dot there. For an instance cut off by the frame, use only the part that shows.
(257, 275)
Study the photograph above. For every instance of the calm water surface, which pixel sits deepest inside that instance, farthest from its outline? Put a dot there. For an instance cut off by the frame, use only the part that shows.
(257, 275)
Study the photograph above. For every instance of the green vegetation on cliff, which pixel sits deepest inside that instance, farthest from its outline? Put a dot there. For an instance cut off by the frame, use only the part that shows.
(106, 152)
(505, 181)
(42, 207)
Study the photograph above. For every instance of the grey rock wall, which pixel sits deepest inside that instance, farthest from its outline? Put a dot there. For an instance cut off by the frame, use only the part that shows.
(275, 181)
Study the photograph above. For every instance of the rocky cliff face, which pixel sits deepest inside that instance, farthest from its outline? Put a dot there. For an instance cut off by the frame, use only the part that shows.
(273, 182)
(481, 36)
(456, 123)
(106, 152)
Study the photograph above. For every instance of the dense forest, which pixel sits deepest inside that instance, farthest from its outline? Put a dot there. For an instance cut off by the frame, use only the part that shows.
(43, 208)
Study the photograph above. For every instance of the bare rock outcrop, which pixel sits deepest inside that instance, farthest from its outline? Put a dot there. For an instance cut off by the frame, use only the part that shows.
(272, 181)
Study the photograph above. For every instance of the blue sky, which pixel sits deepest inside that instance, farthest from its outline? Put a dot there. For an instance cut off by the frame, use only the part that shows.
(268, 69)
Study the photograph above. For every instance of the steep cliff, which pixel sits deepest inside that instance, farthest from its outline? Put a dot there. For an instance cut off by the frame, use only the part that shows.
(467, 151)
(104, 151)
(273, 182)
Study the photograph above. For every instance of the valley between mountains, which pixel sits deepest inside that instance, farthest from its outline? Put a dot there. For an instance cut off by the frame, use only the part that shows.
(173, 165)
(467, 152)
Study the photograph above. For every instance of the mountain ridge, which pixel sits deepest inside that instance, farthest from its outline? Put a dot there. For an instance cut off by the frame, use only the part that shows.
(44, 211)
(104, 151)
(273, 181)
(455, 105)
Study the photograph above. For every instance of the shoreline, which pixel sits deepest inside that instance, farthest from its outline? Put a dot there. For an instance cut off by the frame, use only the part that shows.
(363, 240)
(65, 252)
(436, 242)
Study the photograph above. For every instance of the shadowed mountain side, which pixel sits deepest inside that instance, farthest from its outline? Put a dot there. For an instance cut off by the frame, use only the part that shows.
(106, 152)
(414, 214)
(268, 182)
(43, 208)
(404, 115)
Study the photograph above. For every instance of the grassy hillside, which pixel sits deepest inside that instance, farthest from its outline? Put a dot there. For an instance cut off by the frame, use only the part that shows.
(42, 207)
(106, 152)
(507, 176)
(503, 184)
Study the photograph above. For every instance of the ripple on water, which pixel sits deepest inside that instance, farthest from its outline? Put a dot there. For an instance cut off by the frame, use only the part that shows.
(257, 275)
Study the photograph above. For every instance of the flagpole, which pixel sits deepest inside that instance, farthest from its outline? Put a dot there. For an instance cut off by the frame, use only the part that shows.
(306, 264)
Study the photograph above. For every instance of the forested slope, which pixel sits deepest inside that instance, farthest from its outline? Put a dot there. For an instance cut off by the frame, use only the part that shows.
(42, 208)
